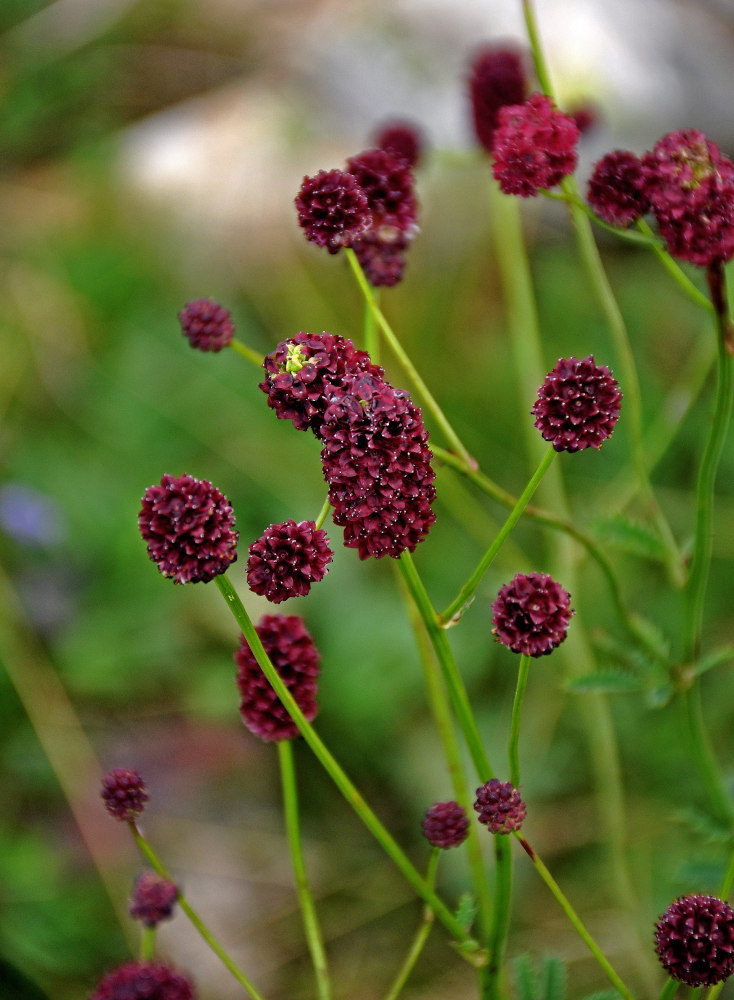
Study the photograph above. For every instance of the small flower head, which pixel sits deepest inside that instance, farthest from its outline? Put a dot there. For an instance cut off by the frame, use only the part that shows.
(206, 324)
(531, 614)
(383, 261)
(402, 139)
(445, 825)
(578, 405)
(189, 527)
(144, 981)
(694, 940)
(153, 899)
(497, 78)
(387, 181)
(616, 188)
(124, 793)
(332, 209)
(534, 146)
(499, 806)
(287, 559)
(295, 657)
(586, 116)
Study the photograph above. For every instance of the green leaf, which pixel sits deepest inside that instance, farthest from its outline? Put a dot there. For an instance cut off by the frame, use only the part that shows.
(552, 979)
(609, 681)
(714, 659)
(705, 826)
(630, 536)
(657, 642)
(526, 978)
(660, 695)
(466, 910)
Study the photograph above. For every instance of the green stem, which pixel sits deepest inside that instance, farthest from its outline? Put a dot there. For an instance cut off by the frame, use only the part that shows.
(305, 899)
(246, 352)
(370, 331)
(679, 277)
(522, 681)
(147, 944)
(671, 988)
(420, 938)
(728, 883)
(323, 513)
(502, 914)
(455, 610)
(193, 916)
(423, 391)
(337, 775)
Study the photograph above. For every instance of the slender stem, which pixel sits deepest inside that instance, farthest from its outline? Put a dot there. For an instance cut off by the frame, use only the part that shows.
(370, 331)
(522, 681)
(454, 611)
(246, 352)
(305, 899)
(421, 936)
(541, 67)
(679, 277)
(147, 944)
(337, 775)
(581, 930)
(671, 988)
(728, 883)
(423, 391)
(323, 513)
(193, 916)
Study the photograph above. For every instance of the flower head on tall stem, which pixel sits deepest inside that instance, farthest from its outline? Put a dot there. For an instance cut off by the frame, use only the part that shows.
(616, 189)
(154, 898)
(445, 825)
(534, 146)
(144, 981)
(578, 405)
(124, 793)
(500, 806)
(694, 940)
(497, 78)
(531, 614)
(206, 324)
(287, 559)
(332, 209)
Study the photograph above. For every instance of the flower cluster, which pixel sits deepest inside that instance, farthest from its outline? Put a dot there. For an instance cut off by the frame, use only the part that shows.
(287, 559)
(497, 78)
(332, 209)
(206, 324)
(445, 825)
(616, 188)
(153, 899)
(578, 405)
(500, 807)
(534, 146)
(694, 940)
(144, 981)
(295, 657)
(531, 614)
(124, 793)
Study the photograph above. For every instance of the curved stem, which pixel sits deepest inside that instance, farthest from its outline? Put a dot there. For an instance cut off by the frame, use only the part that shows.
(323, 513)
(246, 352)
(522, 681)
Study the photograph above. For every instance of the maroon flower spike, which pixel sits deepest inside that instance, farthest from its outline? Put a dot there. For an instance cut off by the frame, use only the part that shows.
(499, 806)
(293, 654)
(616, 188)
(497, 79)
(287, 559)
(690, 184)
(445, 825)
(534, 146)
(332, 209)
(531, 614)
(377, 463)
(302, 371)
(144, 981)
(189, 527)
(153, 899)
(401, 139)
(207, 325)
(124, 793)
(387, 181)
(694, 940)
(578, 405)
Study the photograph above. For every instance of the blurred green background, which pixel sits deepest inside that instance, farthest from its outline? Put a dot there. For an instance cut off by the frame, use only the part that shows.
(149, 155)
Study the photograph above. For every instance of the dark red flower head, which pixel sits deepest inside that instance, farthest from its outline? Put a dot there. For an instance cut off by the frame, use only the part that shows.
(387, 181)
(531, 614)
(206, 324)
(332, 209)
(694, 940)
(534, 146)
(383, 261)
(499, 806)
(294, 655)
(586, 116)
(402, 139)
(124, 793)
(144, 981)
(497, 78)
(445, 825)
(189, 527)
(578, 405)
(287, 559)
(153, 899)
(616, 188)
(690, 185)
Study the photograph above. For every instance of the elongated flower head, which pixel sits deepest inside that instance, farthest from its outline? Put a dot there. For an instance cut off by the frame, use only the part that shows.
(445, 825)
(295, 657)
(402, 139)
(287, 559)
(153, 899)
(497, 78)
(124, 793)
(332, 209)
(206, 324)
(694, 940)
(616, 188)
(144, 981)
(578, 405)
(500, 807)
(388, 183)
(534, 146)
(189, 527)
(531, 614)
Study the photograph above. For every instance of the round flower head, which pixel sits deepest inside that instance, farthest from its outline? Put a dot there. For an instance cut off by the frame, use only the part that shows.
(206, 324)
(387, 181)
(694, 940)
(616, 188)
(144, 981)
(445, 825)
(332, 209)
(534, 146)
(690, 184)
(401, 139)
(153, 899)
(578, 405)
(383, 261)
(287, 559)
(497, 78)
(293, 654)
(531, 614)
(124, 793)
(189, 527)
(586, 116)
(499, 806)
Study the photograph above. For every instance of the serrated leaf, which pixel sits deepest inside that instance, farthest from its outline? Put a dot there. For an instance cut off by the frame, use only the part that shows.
(708, 827)
(466, 910)
(526, 978)
(656, 640)
(605, 682)
(630, 536)
(627, 656)
(552, 979)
